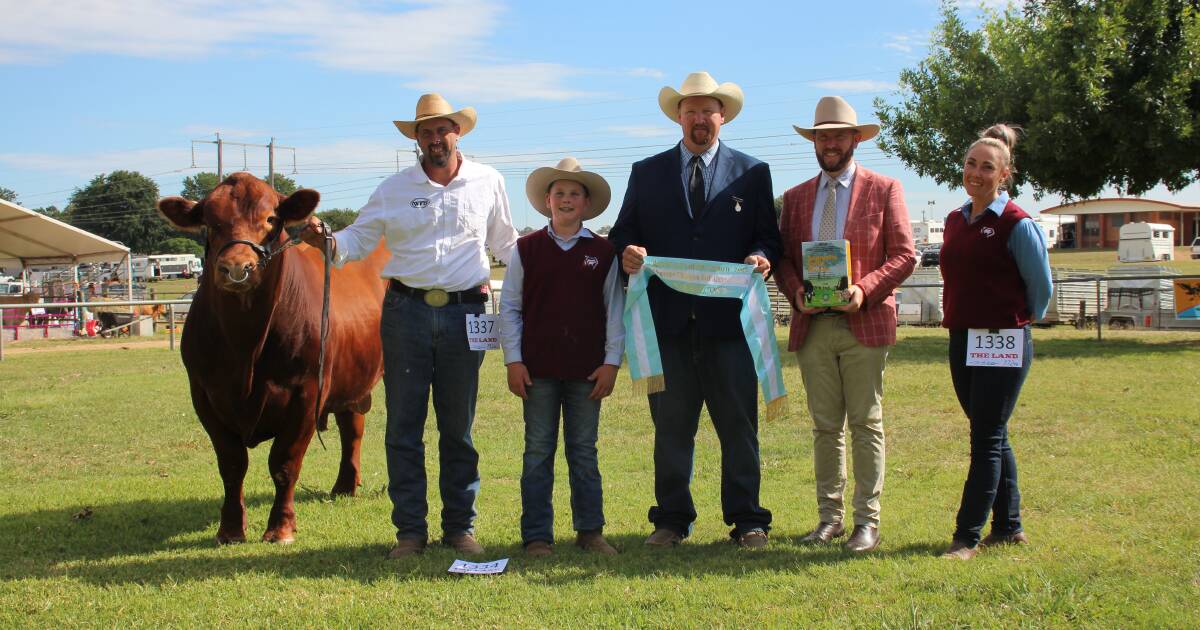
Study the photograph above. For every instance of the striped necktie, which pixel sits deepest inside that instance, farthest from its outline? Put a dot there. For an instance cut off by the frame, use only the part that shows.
(828, 228)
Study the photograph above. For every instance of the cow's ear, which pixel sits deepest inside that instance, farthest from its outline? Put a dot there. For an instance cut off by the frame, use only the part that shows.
(184, 214)
(296, 208)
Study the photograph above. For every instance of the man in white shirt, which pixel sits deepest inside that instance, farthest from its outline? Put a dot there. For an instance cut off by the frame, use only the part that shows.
(436, 218)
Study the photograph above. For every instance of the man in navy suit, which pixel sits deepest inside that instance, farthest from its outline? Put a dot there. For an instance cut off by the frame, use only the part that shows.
(701, 199)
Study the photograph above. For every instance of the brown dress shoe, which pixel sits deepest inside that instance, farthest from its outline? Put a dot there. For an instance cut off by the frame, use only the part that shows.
(463, 543)
(864, 538)
(539, 549)
(664, 537)
(594, 542)
(407, 547)
(958, 550)
(752, 539)
(823, 533)
(1018, 538)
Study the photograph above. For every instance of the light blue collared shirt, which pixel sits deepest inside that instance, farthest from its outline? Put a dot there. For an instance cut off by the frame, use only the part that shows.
(512, 321)
(1027, 245)
(842, 203)
(708, 160)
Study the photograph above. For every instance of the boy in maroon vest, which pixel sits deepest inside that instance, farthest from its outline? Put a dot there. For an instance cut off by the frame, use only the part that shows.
(561, 329)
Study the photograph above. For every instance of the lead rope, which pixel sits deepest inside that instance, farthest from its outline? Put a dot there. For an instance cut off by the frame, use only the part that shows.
(327, 254)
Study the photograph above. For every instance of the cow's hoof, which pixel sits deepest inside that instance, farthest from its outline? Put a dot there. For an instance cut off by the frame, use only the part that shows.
(340, 490)
(230, 539)
(279, 537)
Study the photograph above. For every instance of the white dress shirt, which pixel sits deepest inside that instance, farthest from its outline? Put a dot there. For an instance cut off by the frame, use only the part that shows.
(436, 233)
(512, 322)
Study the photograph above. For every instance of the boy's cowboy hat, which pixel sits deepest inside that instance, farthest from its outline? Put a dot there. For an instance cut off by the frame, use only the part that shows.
(431, 106)
(540, 180)
(833, 112)
(701, 84)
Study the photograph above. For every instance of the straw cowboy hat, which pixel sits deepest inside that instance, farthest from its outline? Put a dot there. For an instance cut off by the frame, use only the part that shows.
(833, 112)
(701, 84)
(431, 106)
(540, 180)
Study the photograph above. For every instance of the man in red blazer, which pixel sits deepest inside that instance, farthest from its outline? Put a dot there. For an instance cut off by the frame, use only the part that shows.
(842, 350)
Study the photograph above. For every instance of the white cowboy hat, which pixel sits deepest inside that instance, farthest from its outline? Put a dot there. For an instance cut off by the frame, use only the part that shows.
(540, 180)
(833, 112)
(431, 106)
(701, 84)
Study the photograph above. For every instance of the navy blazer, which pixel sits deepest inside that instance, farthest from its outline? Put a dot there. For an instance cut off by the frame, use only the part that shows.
(738, 220)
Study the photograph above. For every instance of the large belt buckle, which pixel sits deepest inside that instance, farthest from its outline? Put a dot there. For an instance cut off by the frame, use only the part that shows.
(437, 298)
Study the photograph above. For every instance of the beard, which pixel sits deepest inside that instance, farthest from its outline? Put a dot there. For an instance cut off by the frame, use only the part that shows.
(834, 165)
(700, 135)
(437, 154)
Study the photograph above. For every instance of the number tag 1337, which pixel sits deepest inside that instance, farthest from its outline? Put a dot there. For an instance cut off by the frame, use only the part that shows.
(483, 332)
(1004, 347)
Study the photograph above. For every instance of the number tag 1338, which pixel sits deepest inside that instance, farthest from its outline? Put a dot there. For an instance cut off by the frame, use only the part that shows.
(1004, 347)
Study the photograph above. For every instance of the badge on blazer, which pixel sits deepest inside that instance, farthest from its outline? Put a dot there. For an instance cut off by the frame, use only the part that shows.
(737, 204)
(419, 202)
(591, 262)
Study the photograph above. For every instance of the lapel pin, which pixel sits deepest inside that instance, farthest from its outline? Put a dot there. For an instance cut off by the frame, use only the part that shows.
(737, 204)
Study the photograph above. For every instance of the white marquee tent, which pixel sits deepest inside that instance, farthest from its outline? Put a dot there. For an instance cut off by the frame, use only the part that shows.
(28, 239)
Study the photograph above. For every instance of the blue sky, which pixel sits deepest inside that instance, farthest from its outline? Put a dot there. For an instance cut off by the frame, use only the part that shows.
(92, 87)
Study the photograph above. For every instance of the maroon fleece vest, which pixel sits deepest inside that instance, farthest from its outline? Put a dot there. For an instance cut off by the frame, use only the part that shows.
(563, 305)
(983, 285)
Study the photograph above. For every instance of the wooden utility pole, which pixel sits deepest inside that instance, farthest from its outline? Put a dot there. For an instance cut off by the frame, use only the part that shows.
(270, 147)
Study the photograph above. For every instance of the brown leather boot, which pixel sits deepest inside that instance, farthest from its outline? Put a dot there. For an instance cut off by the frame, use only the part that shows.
(407, 547)
(594, 542)
(1018, 538)
(958, 550)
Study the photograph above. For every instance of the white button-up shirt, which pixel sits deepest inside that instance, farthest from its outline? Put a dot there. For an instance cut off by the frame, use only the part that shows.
(436, 233)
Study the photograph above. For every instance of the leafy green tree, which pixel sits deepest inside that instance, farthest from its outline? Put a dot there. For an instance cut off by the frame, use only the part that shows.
(1107, 91)
(338, 218)
(179, 245)
(9, 195)
(120, 206)
(54, 213)
(196, 187)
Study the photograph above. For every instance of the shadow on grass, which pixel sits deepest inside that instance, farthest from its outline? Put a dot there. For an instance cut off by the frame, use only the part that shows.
(934, 349)
(168, 542)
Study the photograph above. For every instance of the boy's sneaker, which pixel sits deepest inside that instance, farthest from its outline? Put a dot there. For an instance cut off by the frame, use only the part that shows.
(539, 549)
(594, 542)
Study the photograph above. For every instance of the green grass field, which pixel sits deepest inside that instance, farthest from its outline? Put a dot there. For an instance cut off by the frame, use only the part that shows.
(109, 496)
(1103, 259)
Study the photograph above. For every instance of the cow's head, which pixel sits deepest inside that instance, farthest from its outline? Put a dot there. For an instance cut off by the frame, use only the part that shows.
(241, 208)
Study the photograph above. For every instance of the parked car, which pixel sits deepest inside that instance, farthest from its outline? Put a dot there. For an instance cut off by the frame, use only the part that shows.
(931, 255)
(1196, 247)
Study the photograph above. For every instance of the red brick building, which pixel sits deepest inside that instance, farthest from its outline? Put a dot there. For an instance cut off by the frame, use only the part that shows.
(1098, 221)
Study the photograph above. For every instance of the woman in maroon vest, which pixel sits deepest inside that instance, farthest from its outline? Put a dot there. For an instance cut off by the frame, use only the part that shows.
(997, 281)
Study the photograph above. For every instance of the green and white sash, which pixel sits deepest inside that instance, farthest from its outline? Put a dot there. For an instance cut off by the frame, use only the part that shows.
(708, 279)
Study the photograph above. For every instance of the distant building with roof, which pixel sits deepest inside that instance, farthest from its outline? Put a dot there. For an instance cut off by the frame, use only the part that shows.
(1098, 221)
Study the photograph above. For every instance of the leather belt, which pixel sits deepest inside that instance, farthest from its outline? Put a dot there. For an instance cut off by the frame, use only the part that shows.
(438, 298)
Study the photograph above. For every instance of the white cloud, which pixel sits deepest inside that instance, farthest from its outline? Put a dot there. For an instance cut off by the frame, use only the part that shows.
(204, 130)
(435, 44)
(907, 43)
(646, 72)
(85, 166)
(855, 86)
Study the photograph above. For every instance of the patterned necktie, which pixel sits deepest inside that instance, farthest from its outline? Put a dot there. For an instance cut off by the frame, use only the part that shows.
(828, 228)
(696, 196)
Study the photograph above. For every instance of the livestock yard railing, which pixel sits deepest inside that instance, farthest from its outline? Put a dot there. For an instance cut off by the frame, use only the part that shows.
(1082, 299)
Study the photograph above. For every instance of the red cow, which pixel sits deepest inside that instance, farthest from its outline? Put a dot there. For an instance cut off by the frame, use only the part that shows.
(251, 343)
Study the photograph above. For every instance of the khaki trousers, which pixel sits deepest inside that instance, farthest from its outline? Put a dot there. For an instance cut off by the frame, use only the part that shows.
(844, 382)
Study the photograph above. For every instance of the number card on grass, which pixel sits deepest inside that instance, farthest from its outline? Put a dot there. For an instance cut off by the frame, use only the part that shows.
(483, 332)
(479, 568)
(995, 348)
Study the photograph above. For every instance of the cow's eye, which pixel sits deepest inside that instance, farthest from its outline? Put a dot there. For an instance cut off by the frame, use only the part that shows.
(273, 220)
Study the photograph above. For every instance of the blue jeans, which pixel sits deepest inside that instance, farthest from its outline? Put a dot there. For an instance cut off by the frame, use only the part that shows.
(988, 396)
(717, 372)
(580, 420)
(425, 348)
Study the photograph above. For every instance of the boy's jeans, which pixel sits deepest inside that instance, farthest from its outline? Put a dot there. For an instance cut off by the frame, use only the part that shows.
(580, 420)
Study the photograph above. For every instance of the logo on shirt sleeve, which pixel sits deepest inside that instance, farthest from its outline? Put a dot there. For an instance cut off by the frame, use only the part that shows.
(591, 262)
(419, 202)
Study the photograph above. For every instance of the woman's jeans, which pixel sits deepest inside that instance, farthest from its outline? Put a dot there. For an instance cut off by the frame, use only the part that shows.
(988, 396)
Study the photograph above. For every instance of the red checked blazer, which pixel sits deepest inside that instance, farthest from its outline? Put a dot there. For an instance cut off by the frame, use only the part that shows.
(882, 254)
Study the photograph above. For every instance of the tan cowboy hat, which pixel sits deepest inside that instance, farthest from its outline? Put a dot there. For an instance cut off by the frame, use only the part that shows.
(540, 180)
(431, 106)
(833, 112)
(701, 84)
